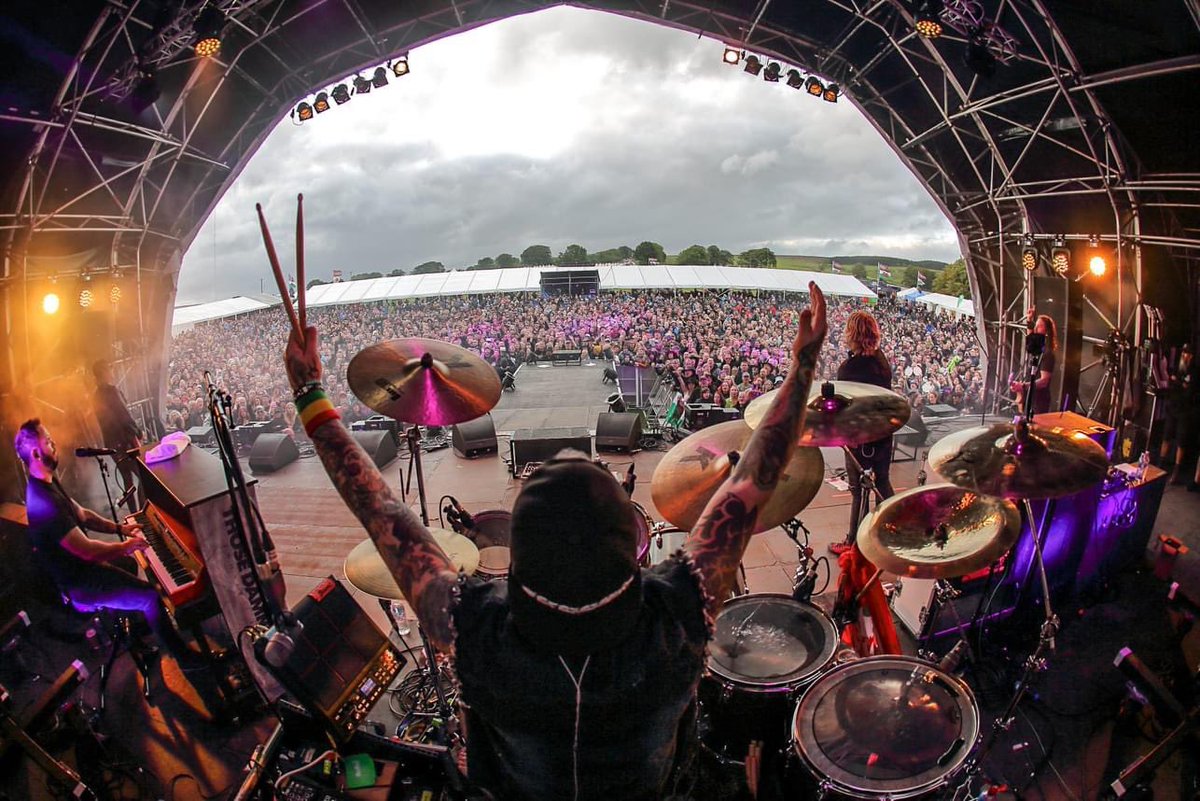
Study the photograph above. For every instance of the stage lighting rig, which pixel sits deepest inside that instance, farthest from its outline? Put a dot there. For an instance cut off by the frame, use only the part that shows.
(146, 91)
(1060, 256)
(1097, 264)
(967, 18)
(1029, 254)
(209, 25)
(321, 103)
(361, 85)
(379, 78)
(814, 86)
(771, 73)
(340, 94)
(50, 303)
(795, 79)
(732, 55)
(85, 298)
(832, 92)
(304, 112)
(754, 65)
(400, 66)
(929, 19)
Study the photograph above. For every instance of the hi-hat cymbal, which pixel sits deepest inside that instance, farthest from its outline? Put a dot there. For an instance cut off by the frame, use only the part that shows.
(423, 381)
(938, 531)
(365, 568)
(992, 460)
(841, 413)
(692, 471)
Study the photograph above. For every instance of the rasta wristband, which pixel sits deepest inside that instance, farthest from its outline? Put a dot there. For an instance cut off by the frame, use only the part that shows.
(315, 410)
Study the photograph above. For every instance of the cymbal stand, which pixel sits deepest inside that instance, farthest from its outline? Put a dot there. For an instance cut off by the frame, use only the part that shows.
(943, 594)
(804, 582)
(866, 485)
(413, 437)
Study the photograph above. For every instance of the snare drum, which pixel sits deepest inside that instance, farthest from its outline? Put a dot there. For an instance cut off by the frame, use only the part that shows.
(665, 540)
(491, 527)
(644, 524)
(765, 648)
(494, 562)
(883, 727)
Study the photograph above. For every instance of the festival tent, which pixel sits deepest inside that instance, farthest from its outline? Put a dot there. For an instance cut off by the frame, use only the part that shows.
(912, 293)
(958, 306)
(187, 316)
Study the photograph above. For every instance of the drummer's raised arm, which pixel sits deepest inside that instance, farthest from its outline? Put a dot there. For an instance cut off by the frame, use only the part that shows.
(719, 539)
(422, 571)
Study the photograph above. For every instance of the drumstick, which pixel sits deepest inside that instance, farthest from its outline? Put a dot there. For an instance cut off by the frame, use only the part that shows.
(300, 262)
(279, 280)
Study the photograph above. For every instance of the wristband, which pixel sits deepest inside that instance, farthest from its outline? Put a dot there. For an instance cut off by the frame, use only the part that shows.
(315, 410)
(304, 389)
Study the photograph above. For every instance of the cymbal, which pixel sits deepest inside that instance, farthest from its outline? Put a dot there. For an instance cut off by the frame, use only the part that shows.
(692, 471)
(365, 568)
(841, 413)
(1051, 462)
(423, 381)
(938, 531)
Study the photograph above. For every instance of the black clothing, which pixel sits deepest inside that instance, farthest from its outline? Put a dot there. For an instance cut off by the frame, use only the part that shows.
(1041, 395)
(877, 455)
(116, 423)
(51, 517)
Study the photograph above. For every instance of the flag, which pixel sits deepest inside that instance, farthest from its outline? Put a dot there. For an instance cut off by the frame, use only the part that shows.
(835, 267)
(337, 276)
(884, 272)
(292, 287)
(921, 280)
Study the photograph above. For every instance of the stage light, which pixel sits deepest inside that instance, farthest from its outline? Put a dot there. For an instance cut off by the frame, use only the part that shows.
(771, 73)
(321, 103)
(340, 94)
(1097, 265)
(50, 303)
(86, 297)
(1029, 254)
(795, 79)
(304, 112)
(208, 27)
(732, 55)
(400, 67)
(1060, 256)
(831, 93)
(379, 79)
(814, 86)
(929, 19)
(114, 294)
(146, 91)
(753, 65)
(361, 85)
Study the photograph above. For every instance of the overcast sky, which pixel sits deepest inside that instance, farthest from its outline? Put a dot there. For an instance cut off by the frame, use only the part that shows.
(558, 127)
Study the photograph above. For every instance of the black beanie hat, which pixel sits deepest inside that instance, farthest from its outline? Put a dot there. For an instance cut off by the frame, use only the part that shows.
(575, 584)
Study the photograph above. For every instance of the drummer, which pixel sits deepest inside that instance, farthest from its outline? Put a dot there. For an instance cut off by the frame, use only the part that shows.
(578, 672)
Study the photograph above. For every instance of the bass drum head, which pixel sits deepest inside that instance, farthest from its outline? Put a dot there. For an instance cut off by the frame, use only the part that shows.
(491, 528)
(885, 726)
(767, 640)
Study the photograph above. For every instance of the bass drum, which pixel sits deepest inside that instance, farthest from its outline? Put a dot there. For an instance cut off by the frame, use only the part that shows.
(644, 525)
(765, 649)
(491, 528)
(890, 727)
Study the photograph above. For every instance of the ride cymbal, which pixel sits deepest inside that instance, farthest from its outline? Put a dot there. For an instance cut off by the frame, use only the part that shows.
(692, 471)
(995, 460)
(938, 531)
(423, 381)
(366, 570)
(841, 413)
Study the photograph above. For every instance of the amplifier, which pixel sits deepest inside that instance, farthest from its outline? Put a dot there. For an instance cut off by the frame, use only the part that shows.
(528, 445)
(378, 422)
(1104, 435)
(342, 663)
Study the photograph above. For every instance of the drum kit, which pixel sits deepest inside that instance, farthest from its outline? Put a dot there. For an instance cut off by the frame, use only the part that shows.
(850, 725)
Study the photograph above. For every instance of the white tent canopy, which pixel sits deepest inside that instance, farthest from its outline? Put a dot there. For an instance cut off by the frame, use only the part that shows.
(954, 305)
(528, 279)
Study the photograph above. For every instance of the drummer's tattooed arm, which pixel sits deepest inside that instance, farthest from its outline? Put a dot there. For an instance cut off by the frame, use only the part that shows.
(720, 537)
(422, 571)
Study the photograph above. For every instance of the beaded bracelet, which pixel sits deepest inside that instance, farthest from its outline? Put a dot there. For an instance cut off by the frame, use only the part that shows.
(315, 410)
(304, 389)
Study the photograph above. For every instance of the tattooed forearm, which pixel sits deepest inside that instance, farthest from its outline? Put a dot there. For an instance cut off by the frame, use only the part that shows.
(417, 563)
(714, 544)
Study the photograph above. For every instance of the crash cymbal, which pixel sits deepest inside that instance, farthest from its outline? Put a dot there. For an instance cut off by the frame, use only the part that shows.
(693, 470)
(423, 381)
(938, 531)
(841, 413)
(1050, 463)
(365, 568)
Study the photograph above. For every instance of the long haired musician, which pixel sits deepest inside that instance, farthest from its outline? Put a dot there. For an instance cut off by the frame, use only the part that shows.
(1042, 324)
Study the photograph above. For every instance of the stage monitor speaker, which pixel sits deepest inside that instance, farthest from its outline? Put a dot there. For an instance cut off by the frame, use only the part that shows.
(201, 435)
(474, 437)
(618, 431)
(1062, 300)
(528, 445)
(271, 452)
(379, 444)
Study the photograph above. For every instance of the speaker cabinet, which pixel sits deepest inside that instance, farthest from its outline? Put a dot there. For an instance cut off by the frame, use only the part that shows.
(528, 445)
(271, 452)
(201, 435)
(474, 437)
(379, 444)
(618, 431)
(1062, 300)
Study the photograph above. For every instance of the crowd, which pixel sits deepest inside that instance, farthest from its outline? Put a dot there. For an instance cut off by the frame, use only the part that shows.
(723, 348)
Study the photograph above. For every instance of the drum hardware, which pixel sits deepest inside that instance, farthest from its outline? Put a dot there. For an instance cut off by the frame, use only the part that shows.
(804, 581)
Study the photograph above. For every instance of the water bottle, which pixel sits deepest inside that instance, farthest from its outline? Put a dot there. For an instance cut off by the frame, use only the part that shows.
(400, 617)
(1143, 463)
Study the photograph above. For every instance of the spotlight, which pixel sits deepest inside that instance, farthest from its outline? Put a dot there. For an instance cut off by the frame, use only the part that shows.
(208, 27)
(361, 85)
(753, 65)
(379, 79)
(795, 79)
(732, 55)
(814, 86)
(321, 103)
(978, 58)
(400, 67)
(1029, 254)
(1060, 256)
(1098, 265)
(146, 91)
(771, 73)
(340, 93)
(114, 294)
(85, 298)
(831, 93)
(929, 19)
(304, 112)
(50, 303)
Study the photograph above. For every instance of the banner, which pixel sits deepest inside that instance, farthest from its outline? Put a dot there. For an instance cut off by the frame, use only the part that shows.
(884, 272)
(834, 267)
(921, 279)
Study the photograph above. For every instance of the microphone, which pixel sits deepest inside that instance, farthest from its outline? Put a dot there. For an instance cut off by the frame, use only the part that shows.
(96, 452)
(630, 481)
(953, 657)
(463, 515)
(277, 645)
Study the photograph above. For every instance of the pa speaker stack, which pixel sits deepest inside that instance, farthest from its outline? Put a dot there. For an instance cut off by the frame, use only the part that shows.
(474, 437)
(271, 452)
(618, 431)
(379, 443)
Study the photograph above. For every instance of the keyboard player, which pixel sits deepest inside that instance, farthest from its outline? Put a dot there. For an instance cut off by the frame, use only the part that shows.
(81, 566)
